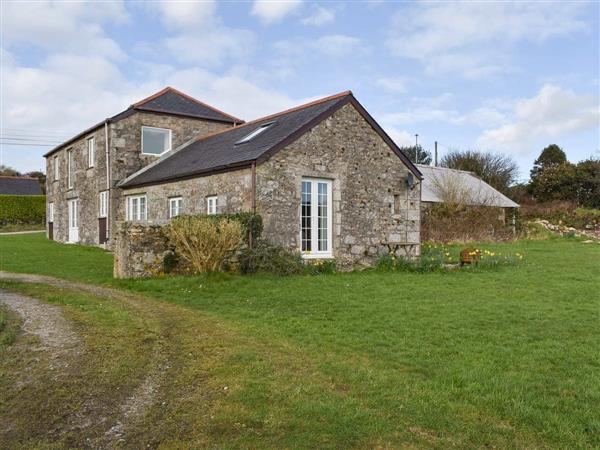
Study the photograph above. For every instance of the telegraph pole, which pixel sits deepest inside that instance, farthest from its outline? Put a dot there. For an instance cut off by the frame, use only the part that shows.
(436, 155)
(416, 149)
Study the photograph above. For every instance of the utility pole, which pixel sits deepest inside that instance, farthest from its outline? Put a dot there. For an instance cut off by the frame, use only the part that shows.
(416, 149)
(436, 155)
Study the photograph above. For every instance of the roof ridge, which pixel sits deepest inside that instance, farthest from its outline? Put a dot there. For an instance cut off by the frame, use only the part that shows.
(272, 116)
(184, 95)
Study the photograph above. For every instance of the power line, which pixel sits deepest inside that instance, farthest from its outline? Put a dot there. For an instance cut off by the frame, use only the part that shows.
(10, 144)
(36, 130)
(11, 138)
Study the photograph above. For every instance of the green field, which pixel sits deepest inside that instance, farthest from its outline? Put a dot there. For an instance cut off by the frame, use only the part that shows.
(505, 358)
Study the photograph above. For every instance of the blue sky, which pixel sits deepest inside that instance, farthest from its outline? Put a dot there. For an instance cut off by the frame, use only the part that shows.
(497, 76)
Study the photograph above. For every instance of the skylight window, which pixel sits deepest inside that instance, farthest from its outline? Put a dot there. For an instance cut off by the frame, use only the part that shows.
(255, 133)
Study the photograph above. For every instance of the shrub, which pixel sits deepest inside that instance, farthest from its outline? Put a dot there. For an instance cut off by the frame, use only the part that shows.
(22, 209)
(266, 257)
(320, 266)
(204, 241)
(250, 223)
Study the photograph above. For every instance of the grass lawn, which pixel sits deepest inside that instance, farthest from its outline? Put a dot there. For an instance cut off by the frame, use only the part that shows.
(507, 358)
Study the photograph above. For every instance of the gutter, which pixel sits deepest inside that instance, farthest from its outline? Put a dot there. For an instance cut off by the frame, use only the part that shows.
(106, 153)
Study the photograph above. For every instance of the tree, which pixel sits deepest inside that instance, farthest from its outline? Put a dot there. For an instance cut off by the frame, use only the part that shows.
(417, 154)
(499, 171)
(9, 171)
(587, 175)
(556, 182)
(550, 156)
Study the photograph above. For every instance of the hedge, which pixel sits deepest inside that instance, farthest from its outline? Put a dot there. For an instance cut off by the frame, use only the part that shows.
(22, 209)
(251, 223)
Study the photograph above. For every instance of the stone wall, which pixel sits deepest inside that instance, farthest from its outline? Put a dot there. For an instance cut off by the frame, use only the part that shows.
(139, 251)
(372, 204)
(125, 158)
(233, 191)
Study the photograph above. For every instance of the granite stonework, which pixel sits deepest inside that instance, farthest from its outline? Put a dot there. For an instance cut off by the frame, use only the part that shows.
(374, 209)
(125, 158)
(139, 251)
(372, 203)
(233, 191)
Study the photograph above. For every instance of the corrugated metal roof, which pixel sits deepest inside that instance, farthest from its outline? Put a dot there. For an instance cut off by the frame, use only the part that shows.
(19, 186)
(467, 184)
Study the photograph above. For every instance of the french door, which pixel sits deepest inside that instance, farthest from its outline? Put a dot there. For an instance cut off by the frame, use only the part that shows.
(316, 218)
(73, 221)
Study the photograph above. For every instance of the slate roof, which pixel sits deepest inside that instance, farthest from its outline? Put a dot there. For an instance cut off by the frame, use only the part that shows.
(166, 101)
(478, 191)
(19, 186)
(221, 151)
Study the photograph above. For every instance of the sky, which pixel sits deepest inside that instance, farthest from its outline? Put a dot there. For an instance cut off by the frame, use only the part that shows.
(505, 77)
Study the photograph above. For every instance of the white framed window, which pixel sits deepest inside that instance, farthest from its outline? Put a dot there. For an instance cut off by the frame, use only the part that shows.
(175, 206)
(70, 168)
(56, 168)
(136, 208)
(316, 218)
(51, 212)
(212, 204)
(103, 204)
(91, 151)
(261, 129)
(155, 141)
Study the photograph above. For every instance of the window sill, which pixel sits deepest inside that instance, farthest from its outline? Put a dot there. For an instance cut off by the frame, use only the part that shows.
(317, 256)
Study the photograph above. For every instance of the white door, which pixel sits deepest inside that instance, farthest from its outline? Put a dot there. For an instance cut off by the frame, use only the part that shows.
(73, 221)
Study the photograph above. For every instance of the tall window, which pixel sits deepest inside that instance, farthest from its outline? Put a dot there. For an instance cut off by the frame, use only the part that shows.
(91, 151)
(70, 168)
(51, 212)
(315, 222)
(175, 206)
(212, 205)
(103, 200)
(136, 208)
(56, 168)
(155, 141)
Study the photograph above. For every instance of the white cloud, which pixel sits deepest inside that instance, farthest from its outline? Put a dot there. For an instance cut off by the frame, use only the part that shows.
(321, 16)
(69, 26)
(552, 113)
(269, 11)
(400, 137)
(393, 84)
(472, 37)
(185, 13)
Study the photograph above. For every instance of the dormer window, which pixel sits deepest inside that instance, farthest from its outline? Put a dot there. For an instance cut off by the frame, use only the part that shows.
(264, 127)
(155, 141)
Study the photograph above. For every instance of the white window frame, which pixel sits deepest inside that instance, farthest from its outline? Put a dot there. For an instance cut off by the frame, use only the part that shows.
(50, 212)
(178, 203)
(56, 168)
(212, 205)
(103, 204)
(134, 214)
(70, 163)
(314, 219)
(91, 151)
(261, 129)
(144, 127)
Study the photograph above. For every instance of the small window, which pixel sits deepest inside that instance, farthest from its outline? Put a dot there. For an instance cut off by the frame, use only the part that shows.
(51, 212)
(56, 168)
(70, 168)
(155, 141)
(175, 206)
(212, 205)
(103, 204)
(136, 208)
(255, 133)
(91, 151)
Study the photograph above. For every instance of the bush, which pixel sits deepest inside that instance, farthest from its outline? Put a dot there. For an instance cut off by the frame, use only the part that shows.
(563, 213)
(265, 257)
(251, 224)
(320, 266)
(22, 209)
(204, 241)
